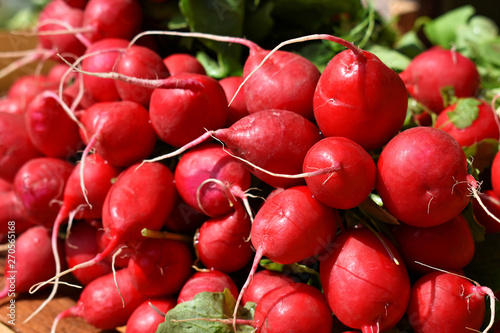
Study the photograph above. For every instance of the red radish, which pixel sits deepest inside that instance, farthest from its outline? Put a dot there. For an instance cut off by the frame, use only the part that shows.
(360, 98)
(365, 287)
(102, 305)
(81, 245)
(100, 59)
(57, 16)
(194, 174)
(139, 62)
(263, 282)
(286, 81)
(184, 219)
(469, 121)
(437, 68)
(222, 242)
(50, 128)
(237, 108)
(112, 19)
(16, 147)
(160, 267)
(492, 203)
(290, 227)
(417, 187)
(449, 246)
(29, 260)
(126, 212)
(294, 307)
(280, 150)
(120, 132)
(211, 281)
(352, 179)
(145, 318)
(445, 302)
(39, 185)
(181, 115)
(179, 63)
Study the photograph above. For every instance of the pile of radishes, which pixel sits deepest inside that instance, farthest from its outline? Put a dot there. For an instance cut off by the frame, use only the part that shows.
(287, 199)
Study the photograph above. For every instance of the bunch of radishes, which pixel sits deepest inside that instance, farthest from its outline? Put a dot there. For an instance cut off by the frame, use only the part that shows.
(173, 183)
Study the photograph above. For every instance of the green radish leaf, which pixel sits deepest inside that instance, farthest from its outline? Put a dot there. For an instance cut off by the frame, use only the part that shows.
(205, 305)
(443, 29)
(482, 154)
(302, 272)
(409, 44)
(465, 112)
(222, 17)
(392, 58)
(489, 51)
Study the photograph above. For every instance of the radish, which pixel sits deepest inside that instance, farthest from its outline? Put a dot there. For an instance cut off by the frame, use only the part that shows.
(139, 62)
(469, 121)
(120, 132)
(179, 63)
(209, 180)
(112, 19)
(446, 302)
(39, 185)
(282, 310)
(356, 91)
(264, 281)
(29, 260)
(353, 177)
(50, 129)
(102, 305)
(80, 246)
(449, 245)
(146, 318)
(364, 280)
(160, 267)
(181, 115)
(437, 68)
(237, 108)
(290, 227)
(100, 59)
(415, 186)
(210, 280)
(222, 242)
(16, 147)
(263, 150)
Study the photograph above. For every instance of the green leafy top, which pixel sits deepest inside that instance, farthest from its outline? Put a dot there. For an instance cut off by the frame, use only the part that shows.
(206, 305)
(465, 112)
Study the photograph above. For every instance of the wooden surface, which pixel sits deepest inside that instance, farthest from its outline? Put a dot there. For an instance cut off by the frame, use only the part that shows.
(42, 322)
